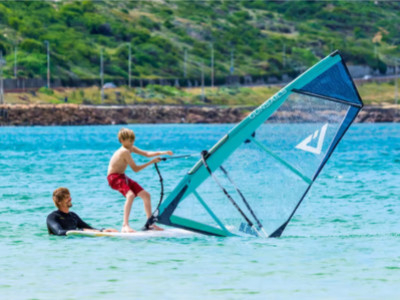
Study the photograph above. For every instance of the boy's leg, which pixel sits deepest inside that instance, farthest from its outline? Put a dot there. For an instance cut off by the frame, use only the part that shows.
(147, 206)
(146, 202)
(127, 210)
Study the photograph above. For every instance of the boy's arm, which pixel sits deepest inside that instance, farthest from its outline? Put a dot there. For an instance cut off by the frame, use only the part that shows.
(149, 153)
(137, 168)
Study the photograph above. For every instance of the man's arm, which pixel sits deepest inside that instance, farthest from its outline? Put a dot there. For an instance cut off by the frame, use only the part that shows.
(86, 227)
(136, 150)
(54, 226)
(81, 224)
(136, 168)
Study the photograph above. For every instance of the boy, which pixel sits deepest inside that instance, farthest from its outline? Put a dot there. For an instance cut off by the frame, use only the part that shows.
(119, 181)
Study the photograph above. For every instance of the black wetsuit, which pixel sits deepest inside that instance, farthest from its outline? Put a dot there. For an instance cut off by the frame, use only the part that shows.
(59, 223)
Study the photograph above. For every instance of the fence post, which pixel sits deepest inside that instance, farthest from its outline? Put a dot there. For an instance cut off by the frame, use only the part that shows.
(2, 63)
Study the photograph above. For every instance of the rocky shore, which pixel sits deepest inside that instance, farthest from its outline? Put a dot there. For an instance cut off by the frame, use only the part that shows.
(27, 115)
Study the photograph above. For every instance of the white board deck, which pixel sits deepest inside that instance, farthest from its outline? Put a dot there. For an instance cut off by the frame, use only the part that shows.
(173, 232)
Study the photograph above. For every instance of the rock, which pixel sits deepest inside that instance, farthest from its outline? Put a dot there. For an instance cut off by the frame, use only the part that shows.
(72, 114)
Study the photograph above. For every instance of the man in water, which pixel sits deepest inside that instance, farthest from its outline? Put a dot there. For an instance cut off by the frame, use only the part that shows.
(62, 220)
(127, 187)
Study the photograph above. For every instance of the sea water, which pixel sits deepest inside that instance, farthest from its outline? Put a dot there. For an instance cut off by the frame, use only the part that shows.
(343, 242)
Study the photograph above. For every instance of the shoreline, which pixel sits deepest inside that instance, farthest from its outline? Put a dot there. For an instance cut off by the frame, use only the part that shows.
(73, 114)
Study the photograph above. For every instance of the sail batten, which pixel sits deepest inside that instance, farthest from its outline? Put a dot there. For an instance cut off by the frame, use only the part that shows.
(282, 161)
(210, 212)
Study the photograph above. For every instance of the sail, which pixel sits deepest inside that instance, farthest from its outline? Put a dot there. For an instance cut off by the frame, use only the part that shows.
(280, 148)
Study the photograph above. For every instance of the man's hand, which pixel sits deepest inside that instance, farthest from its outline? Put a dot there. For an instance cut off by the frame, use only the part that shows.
(90, 230)
(168, 153)
(110, 230)
(97, 230)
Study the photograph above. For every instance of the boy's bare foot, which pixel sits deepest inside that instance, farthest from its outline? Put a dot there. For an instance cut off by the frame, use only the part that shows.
(126, 228)
(155, 227)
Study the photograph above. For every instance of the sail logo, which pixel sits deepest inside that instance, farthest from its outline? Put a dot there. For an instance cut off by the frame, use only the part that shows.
(268, 103)
(320, 134)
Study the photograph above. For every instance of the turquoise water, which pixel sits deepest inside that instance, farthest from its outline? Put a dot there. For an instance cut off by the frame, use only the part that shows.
(342, 244)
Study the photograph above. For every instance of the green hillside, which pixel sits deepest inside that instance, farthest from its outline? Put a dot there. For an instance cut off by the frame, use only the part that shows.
(267, 38)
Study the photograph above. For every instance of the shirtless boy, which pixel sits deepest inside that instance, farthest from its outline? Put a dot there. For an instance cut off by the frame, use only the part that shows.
(119, 181)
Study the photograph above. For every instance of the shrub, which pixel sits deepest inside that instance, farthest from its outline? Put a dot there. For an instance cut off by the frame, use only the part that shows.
(47, 91)
(165, 90)
(148, 23)
(30, 45)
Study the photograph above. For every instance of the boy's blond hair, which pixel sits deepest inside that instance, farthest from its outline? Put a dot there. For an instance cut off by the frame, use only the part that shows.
(59, 195)
(126, 134)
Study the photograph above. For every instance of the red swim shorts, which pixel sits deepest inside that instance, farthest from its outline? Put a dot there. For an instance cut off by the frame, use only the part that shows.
(123, 184)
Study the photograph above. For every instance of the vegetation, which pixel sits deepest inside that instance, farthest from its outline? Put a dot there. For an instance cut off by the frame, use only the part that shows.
(371, 93)
(267, 37)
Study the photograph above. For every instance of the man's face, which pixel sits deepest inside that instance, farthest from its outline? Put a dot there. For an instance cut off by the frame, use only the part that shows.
(67, 202)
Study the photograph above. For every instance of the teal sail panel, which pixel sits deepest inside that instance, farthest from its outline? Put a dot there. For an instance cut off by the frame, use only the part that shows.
(281, 147)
